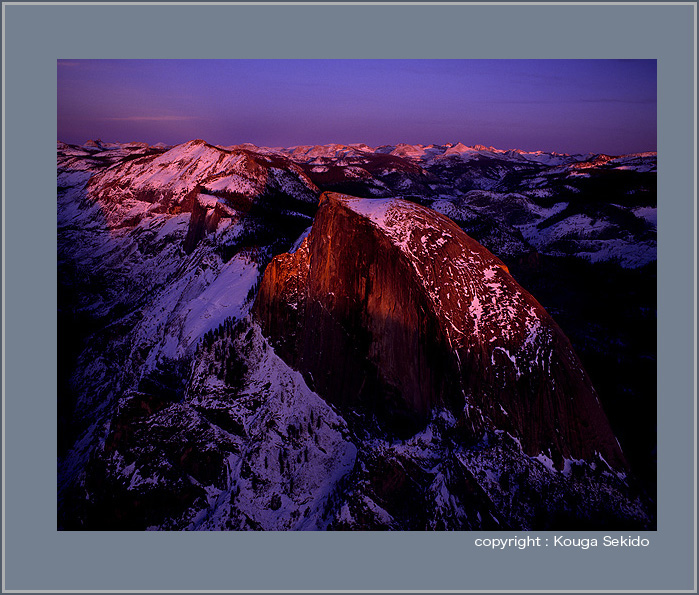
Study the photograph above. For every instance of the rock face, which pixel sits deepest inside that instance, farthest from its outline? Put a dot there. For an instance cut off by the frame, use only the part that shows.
(390, 308)
(423, 403)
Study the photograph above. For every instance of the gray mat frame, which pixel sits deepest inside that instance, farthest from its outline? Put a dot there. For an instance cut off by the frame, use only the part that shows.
(37, 557)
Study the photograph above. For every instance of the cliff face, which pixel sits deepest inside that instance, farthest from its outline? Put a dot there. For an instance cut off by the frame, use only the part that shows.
(389, 307)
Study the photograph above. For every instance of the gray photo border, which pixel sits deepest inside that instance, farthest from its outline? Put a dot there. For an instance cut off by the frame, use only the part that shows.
(36, 557)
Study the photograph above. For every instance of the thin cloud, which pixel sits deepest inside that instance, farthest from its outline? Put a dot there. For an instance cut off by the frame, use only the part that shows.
(563, 101)
(613, 100)
(152, 119)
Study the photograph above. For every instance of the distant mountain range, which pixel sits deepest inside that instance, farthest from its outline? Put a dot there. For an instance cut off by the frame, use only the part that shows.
(600, 207)
(332, 337)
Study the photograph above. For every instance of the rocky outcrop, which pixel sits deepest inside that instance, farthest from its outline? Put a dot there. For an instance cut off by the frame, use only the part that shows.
(207, 212)
(389, 307)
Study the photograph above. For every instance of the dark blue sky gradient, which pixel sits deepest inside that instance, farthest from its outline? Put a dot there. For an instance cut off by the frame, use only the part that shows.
(569, 106)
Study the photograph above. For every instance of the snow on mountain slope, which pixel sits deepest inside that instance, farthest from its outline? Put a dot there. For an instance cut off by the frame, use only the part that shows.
(135, 301)
(257, 451)
(197, 302)
(420, 152)
(296, 454)
(559, 222)
(179, 414)
(169, 177)
(94, 157)
(414, 171)
(650, 214)
(595, 239)
(642, 162)
(462, 151)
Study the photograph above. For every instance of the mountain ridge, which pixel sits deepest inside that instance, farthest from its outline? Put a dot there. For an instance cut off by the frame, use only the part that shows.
(177, 412)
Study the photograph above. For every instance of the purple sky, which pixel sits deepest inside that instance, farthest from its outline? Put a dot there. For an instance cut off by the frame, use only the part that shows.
(569, 106)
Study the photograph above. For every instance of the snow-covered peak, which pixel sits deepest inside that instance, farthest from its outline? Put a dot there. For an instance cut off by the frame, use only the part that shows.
(461, 149)
(172, 174)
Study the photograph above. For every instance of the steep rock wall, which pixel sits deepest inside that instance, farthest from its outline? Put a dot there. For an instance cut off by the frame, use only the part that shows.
(390, 307)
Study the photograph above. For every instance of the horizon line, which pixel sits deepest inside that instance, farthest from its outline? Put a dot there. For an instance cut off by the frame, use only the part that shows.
(476, 146)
